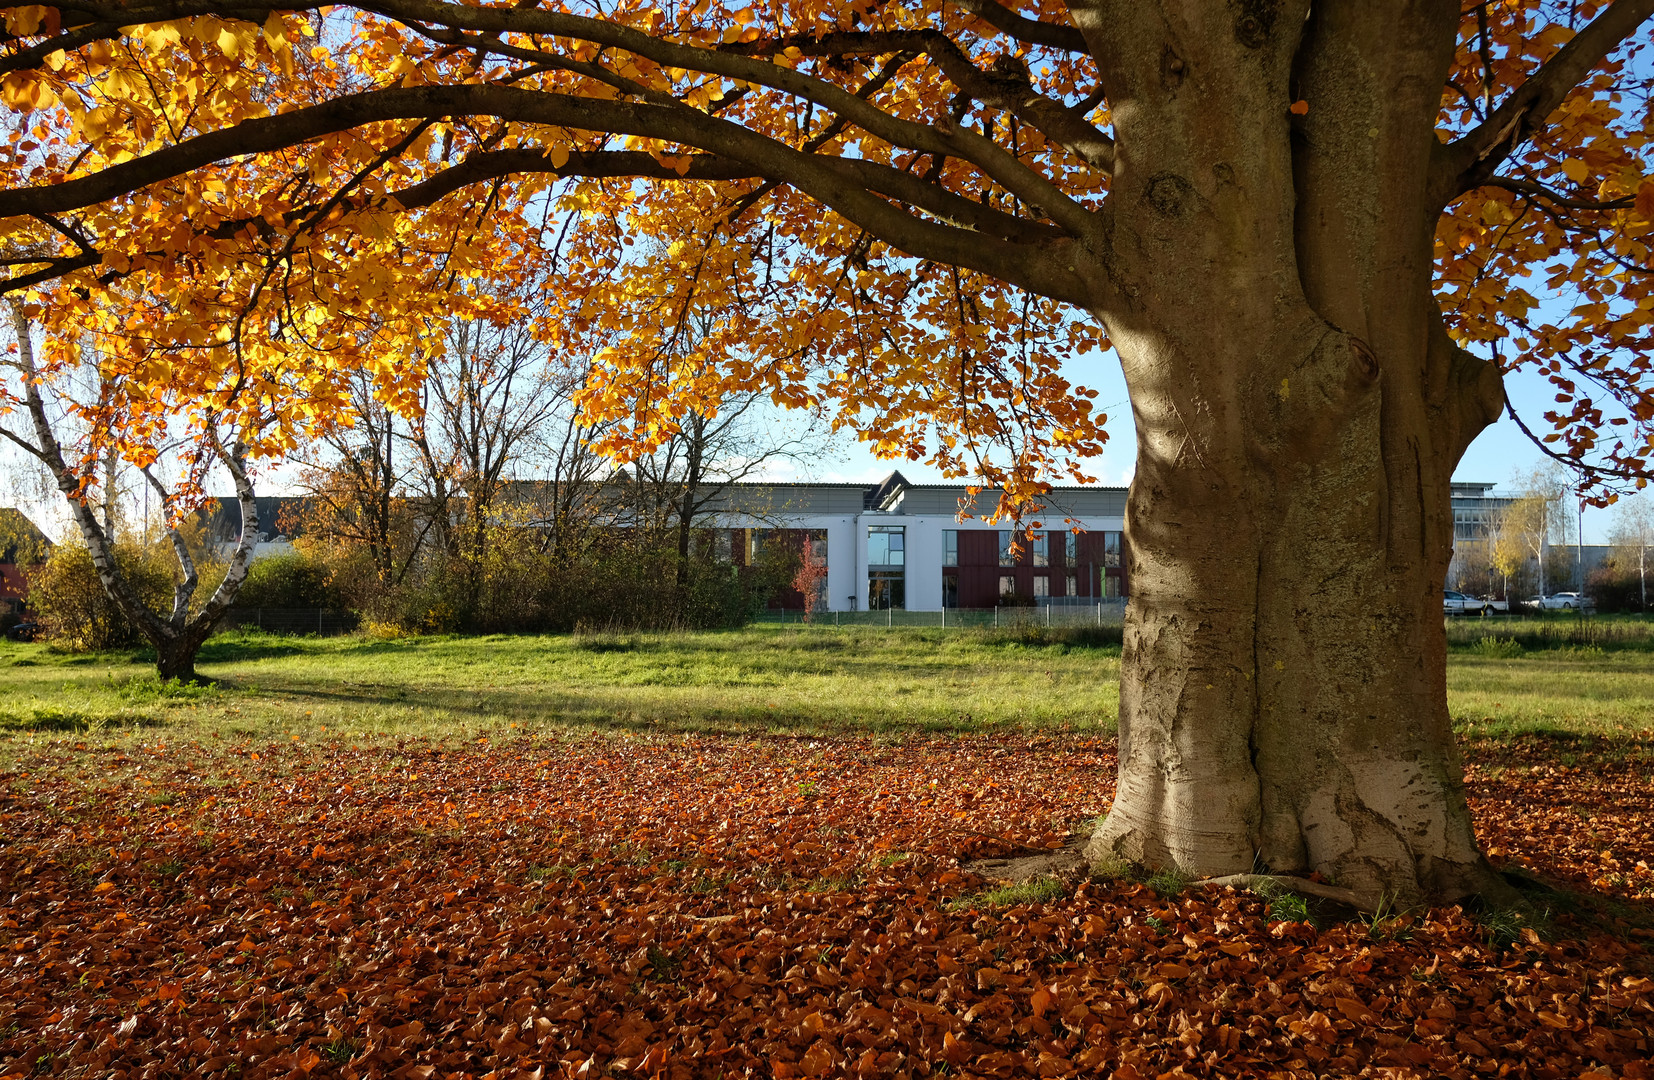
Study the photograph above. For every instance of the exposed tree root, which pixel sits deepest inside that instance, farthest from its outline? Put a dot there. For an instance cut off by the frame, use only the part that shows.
(1295, 884)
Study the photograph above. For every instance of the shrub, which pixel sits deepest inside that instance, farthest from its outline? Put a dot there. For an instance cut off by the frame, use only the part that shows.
(74, 607)
(1499, 648)
(424, 607)
(1615, 588)
(623, 581)
(298, 580)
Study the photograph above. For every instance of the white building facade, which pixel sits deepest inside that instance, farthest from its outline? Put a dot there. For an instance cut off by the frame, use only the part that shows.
(900, 545)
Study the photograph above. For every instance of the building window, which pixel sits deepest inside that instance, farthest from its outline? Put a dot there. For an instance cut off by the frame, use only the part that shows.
(886, 562)
(1073, 583)
(723, 546)
(1111, 549)
(1070, 549)
(886, 589)
(950, 590)
(950, 547)
(1042, 585)
(1042, 549)
(1111, 586)
(1007, 557)
(886, 545)
(1007, 586)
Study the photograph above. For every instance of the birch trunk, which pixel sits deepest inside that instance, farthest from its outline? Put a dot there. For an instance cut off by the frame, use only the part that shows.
(177, 638)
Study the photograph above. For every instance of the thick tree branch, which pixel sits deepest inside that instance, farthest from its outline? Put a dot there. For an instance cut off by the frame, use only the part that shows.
(234, 460)
(1471, 160)
(102, 22)
(1023, 181)
(487, 165)
(420, 15)
(831, 185)
(1032, 31)
(892, 183)
(184, 588)
(54, 269)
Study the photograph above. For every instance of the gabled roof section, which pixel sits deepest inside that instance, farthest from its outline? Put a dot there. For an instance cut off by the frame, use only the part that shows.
(883, 495)
(21, 541)
(276, 515)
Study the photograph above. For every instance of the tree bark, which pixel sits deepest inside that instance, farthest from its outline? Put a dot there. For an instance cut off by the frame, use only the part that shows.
(689, 501)
(175, 658)
(1299, 412)
(1283, 698)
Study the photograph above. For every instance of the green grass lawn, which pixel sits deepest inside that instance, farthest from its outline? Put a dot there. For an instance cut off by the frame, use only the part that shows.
(800, 680)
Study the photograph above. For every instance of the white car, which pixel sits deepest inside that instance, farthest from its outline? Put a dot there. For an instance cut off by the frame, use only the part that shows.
(1457, 603)
(1562, 601)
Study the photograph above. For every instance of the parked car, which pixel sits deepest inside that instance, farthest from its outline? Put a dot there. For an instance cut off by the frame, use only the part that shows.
(23, 631)
(1457, 603)
(1562, 601)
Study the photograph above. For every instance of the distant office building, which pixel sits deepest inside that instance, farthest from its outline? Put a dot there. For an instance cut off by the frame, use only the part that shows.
(1476, 510)
(896, 544)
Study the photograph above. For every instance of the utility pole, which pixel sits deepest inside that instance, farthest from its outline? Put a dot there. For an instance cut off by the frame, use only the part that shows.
(1579, 544)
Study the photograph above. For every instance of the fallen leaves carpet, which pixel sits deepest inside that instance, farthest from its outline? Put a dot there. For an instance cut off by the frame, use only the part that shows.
(703, 907)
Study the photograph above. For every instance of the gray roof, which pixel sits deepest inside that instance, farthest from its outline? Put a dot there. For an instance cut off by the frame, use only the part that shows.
(1069, 501)
(21, 540)
(895, 494)
(892, 494)
(277, 514)
(784, 499)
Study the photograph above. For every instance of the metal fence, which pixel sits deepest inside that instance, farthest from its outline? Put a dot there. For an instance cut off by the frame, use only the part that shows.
(1059, 613)
(317, 621)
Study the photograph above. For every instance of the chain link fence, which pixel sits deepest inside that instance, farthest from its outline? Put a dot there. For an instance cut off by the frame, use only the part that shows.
(1058, 614)
(319, 621)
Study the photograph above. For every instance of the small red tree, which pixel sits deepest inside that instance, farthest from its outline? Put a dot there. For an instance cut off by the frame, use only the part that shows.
(811, 579)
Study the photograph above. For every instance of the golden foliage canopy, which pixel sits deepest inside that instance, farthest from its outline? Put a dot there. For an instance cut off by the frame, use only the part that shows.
(895, 212)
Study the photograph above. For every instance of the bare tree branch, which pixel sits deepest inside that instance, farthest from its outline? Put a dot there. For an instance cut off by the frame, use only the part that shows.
(1556, 198)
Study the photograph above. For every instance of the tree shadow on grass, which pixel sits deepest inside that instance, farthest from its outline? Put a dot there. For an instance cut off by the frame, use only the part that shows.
(50, 719)
(235, 648)
(605, 713)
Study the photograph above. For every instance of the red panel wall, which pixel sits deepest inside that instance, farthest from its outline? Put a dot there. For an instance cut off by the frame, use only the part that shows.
(979, 570)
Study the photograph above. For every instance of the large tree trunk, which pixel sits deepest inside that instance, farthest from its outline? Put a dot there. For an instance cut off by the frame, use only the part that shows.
(175, 657)
(1299, 412)
(1283, 703)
